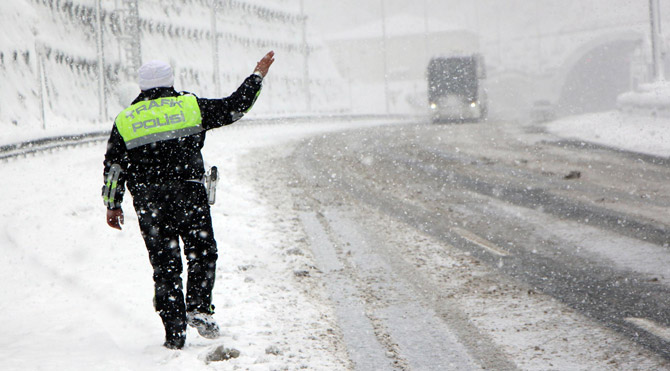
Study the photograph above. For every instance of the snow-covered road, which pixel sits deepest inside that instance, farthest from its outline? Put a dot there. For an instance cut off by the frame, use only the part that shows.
(304, 274)
(432, 203)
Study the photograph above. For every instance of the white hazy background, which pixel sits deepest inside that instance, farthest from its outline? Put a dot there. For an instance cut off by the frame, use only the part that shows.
(577, 55)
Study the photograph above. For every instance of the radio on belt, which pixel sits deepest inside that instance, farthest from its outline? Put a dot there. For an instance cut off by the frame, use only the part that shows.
(211, 179)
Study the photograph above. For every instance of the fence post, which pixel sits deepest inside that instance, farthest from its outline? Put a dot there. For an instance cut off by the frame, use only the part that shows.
(40, 78)
(215, 48)
(385, 57)
(102, 104)
(305, 47)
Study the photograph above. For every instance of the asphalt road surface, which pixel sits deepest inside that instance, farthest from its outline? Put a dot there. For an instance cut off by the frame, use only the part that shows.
(440, 244)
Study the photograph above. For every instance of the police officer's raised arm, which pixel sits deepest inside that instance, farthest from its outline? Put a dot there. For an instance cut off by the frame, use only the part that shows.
(219, 112)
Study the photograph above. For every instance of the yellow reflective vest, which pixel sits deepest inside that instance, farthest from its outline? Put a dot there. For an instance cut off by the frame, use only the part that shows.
(159, 119)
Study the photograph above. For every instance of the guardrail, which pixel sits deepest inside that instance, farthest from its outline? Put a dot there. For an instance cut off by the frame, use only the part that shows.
(23, 149)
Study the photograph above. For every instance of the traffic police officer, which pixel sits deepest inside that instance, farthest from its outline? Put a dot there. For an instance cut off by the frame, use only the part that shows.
(155, 150)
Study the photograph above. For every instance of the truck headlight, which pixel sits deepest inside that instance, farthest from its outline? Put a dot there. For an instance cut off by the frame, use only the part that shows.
(433, 106)
(473, 104)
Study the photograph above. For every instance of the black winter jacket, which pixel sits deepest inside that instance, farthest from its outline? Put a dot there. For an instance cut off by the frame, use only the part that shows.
(175, 159)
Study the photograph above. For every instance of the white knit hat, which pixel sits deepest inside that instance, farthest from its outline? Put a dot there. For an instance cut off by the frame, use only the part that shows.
(155, 74)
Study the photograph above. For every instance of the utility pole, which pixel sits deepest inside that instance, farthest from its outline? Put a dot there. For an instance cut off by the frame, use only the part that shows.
(102, 97)
(131, 38)
(425, 31)
(215, 49)
(538, 32)
(656, 52)
(385, 55)
(305, 47)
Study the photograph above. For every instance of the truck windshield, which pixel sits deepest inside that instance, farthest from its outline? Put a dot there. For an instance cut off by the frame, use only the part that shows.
(455, 75)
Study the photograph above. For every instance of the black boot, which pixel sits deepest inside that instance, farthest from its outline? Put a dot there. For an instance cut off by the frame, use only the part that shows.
(174, 340)
(204, 323)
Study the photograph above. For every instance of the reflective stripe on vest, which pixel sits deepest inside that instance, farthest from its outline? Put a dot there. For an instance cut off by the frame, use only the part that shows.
(159, 119)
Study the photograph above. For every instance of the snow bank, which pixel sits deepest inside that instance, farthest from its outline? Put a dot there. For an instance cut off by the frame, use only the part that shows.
(636, 133)
(77, 294)
(649, 99)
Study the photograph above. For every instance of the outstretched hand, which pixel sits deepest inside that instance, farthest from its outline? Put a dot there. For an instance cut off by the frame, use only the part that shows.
(264, 64)
(115, 218)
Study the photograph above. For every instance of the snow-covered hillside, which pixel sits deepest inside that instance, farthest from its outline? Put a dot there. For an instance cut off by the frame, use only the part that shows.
(61, 36)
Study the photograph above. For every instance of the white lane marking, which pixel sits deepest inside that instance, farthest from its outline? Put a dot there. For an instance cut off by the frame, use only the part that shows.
(650, 326)
(491, 247)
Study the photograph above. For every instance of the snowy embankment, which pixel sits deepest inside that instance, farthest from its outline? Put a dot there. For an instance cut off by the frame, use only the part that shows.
(634, 133)
(642, 123)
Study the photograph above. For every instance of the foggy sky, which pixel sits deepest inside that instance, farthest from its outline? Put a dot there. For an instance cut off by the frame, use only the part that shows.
(491, 18)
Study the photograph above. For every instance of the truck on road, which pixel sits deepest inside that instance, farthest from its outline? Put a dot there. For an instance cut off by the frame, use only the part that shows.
(456, 88)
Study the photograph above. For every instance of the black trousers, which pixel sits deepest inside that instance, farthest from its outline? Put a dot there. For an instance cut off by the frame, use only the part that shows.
(166, 213)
